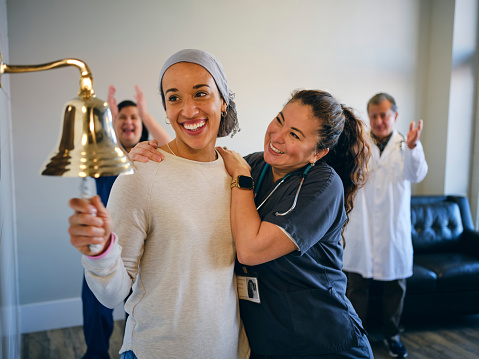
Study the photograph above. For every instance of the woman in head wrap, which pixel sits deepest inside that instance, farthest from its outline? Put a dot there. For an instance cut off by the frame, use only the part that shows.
(172, 242)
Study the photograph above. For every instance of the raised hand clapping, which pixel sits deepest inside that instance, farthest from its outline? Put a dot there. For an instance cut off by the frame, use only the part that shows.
(413, 134)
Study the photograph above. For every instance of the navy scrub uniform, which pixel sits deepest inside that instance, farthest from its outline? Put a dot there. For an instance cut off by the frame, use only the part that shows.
(303, 309)
(97, 319)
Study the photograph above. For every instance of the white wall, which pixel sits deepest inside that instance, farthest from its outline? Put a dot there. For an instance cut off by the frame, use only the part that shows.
(9, 303)
(449, 61)
(474, 190)
(463, 96)
(352, 48)
(474, 180)
(436, 50)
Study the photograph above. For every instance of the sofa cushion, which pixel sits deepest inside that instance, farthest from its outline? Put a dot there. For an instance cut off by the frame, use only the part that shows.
(423, 280)
(455, 271)
(436, 227)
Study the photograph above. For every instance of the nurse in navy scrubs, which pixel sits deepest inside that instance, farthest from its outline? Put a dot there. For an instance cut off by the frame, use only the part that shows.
(287, 230)
(289, 205)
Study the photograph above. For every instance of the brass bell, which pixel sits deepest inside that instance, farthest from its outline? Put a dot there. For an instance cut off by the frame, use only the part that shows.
(88, 145)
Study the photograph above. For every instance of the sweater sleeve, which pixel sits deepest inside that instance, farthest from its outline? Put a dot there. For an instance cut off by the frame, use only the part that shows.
(107, 277)
(415, 165)
(111, 277)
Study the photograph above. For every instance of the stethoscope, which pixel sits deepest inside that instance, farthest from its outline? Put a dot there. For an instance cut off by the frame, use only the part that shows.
(260, 181)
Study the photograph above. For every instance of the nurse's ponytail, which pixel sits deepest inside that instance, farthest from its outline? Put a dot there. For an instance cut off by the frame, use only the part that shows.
(350, 156)
(343, 133)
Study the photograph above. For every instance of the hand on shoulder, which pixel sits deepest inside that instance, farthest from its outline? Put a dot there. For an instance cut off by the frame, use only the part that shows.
(146, 151)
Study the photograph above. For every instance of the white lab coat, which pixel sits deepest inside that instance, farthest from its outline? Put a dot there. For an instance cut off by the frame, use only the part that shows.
(378, 236)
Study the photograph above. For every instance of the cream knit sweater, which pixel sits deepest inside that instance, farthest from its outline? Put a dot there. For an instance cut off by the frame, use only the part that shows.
(172, 221)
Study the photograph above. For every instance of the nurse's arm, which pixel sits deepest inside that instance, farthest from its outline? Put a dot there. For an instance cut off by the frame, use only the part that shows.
(256, 241)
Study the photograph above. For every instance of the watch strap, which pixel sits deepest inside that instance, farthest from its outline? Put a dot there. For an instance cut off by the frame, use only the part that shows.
(243, 182)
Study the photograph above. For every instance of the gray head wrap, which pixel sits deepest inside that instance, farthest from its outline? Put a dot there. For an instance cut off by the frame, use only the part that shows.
(229, 124)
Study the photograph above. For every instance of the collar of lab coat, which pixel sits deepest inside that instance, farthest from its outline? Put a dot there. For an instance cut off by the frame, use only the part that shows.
(395, 142)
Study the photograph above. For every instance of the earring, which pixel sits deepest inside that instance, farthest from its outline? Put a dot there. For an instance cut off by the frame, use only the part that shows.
(224, 114)
(167, 121)
(312, 164)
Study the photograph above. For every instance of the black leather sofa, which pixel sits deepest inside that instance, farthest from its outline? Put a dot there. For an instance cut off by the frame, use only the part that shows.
(445, 277)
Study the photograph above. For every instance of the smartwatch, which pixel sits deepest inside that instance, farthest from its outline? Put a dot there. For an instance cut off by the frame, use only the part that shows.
(243, 182)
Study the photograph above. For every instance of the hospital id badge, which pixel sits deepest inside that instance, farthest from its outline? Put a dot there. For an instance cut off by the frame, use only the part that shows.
(248, 288)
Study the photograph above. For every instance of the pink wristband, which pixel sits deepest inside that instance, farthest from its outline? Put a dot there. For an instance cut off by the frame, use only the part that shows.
(112, 240)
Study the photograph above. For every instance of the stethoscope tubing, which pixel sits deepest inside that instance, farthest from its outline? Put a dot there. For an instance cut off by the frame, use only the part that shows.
(295, 200)
(269, 195)
(260, 181)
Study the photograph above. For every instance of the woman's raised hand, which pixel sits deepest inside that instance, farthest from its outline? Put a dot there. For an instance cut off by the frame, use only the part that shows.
(90, 224)
(140, 102)
(112, 101)
(145, 151)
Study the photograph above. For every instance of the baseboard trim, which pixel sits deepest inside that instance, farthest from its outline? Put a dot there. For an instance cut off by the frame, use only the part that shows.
(57, 314)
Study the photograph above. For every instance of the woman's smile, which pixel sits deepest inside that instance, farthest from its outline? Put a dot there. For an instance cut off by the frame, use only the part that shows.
(195, 126)
(274, 149)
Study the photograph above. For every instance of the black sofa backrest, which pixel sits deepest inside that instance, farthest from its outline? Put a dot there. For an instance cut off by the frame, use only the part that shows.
(438, 221)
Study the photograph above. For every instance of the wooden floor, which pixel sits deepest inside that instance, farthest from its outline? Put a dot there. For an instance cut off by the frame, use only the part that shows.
(67, 343)
(446, 338)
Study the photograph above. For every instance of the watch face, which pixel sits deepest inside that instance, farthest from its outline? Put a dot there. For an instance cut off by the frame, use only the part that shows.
(245, 182)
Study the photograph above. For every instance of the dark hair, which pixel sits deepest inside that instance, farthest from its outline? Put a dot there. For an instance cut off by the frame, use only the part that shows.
(126, 103)
(144, 131)
(379, 98)
(229, 124)
(343, 133)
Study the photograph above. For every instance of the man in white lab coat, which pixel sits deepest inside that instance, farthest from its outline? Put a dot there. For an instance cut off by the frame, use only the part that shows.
(378, 236)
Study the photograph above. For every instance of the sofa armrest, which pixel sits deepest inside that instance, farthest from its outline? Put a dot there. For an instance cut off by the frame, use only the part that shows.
(465, 209)
(469, 242)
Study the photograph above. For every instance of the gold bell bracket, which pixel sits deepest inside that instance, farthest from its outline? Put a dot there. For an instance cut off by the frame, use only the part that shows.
(86, 80)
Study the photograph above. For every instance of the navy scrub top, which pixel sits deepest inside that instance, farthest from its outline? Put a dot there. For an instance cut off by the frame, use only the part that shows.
(303, 309)
(103, 187)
